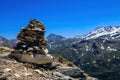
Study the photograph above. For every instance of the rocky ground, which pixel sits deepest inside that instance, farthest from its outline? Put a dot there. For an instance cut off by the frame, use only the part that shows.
(10, 69)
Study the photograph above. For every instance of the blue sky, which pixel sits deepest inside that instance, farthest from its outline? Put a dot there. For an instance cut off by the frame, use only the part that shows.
(64, 17)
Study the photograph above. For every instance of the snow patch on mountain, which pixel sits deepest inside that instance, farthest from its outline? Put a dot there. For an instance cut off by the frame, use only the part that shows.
(111, 49)
(102, 47)
(115, 30)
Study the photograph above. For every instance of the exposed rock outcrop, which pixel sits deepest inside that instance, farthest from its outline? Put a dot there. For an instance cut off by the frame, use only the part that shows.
(11, 69)
(71, 71)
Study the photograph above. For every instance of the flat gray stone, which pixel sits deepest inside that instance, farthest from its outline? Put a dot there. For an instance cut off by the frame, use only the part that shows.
(36, 58)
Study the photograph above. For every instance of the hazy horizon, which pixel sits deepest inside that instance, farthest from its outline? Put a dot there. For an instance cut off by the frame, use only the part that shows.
(63, 17)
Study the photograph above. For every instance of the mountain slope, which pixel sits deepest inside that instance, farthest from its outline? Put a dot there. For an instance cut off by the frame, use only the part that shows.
(97, 52)
(11, 69)
(3, 41)
(6, 42)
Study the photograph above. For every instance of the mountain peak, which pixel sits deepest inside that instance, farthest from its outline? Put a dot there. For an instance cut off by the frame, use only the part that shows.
(55, 37)
(111, 30)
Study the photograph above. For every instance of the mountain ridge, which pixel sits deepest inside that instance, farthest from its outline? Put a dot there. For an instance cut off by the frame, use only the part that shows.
(91, 35)
(111, 30)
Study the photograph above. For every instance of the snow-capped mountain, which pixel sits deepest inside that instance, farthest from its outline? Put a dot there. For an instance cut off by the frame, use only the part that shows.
(98, 52)
(112, 31)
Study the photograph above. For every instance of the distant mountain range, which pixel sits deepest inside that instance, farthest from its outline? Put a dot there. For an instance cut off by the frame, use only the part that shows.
(98, 52)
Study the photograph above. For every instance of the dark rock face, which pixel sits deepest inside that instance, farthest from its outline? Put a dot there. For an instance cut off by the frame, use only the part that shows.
(31, 46)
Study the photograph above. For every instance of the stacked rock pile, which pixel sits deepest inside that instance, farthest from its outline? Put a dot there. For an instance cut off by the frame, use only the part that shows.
(31, 46)
(31, 39)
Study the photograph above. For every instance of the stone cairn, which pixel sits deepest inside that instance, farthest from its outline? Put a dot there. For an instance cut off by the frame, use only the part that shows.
(31, 46)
